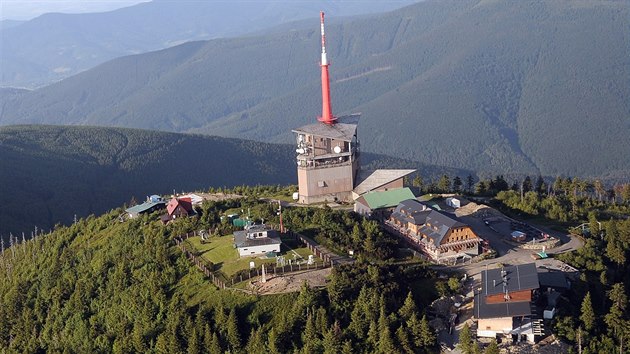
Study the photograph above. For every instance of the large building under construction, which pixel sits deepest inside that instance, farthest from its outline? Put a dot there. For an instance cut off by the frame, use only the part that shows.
(328, 154)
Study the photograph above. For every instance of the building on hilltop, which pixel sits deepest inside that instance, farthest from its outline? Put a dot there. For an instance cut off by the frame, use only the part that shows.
(256, 240)
(504, 305)
(152, 204)
(437, 235)
(178, 208)
(328, 153)
(328, 162)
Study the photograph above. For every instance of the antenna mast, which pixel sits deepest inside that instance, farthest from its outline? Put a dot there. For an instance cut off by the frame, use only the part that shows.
(327, 116)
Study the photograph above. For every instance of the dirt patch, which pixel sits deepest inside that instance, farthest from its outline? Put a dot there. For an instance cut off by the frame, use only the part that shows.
(477, 210)
(290, 282)
(218, 196)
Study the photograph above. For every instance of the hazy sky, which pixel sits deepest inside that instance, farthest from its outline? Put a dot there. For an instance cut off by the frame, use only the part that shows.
(27, 9)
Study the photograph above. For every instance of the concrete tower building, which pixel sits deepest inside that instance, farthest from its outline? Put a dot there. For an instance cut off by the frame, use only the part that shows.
(328, 151)
(328, 154)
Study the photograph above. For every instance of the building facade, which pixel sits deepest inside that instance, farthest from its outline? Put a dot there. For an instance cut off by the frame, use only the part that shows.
(327, 162)
(504, 306)
(256, 240)
(435, 234)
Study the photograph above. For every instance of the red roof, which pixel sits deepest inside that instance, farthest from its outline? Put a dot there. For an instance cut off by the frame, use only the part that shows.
(185, 203)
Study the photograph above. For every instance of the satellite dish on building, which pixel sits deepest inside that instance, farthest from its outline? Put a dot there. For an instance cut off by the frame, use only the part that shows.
(337, 149)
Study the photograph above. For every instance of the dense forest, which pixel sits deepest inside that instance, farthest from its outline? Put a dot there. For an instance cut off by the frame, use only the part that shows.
(488, 86)
(101, 285)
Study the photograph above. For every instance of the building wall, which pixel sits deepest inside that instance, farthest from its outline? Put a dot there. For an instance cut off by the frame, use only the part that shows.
(459, 234)
(490, 327)
(361, 208)
(523, 295)
(391, 185)
(255, 250)
(338, 182)
(414, 227)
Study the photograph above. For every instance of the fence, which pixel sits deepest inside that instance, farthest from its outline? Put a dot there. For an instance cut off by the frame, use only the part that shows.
(220, 280)
(320, 251)
(200, 263)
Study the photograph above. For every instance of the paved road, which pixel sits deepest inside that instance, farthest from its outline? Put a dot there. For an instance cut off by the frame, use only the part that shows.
(498, 235)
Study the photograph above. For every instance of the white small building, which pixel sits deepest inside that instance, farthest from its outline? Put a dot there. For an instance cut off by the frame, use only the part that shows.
(195, 199)
(453, 202)
(256, 240)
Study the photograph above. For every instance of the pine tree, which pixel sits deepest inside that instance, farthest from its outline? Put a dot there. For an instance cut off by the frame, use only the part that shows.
(540, 187)
(310, 332)
(492, 348)
(372, 336)
(465, 339)
(359, 322)
(614, 318)
(415, 329)
(426, 332)
(527, 184)
(256, 342)
(347, 348)
(161, 344)
(385, 342)
(470, 182)
(215, 345)
(457, 184)
(233, 334)
(408, 308)
(402, 335)
(587, 315)
(193, 343)
(321, 319)
(273, 342)
(332, 340)
(207, 336)
(444, 184)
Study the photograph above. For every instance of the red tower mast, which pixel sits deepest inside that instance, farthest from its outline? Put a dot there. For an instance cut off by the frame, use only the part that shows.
(327, 116)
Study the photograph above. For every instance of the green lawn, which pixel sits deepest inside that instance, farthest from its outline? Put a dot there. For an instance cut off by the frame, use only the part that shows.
(220, 251)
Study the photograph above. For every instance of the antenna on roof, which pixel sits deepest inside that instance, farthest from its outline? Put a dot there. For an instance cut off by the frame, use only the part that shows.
(327, 116)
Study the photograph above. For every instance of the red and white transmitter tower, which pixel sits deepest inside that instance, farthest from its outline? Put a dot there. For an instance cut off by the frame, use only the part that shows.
(327, 152)
(327, 116)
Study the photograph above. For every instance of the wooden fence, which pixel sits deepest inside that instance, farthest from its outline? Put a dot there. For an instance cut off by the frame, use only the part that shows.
(219, 279)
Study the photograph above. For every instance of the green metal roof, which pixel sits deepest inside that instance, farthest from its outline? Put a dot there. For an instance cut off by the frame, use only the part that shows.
(389, 198)
(140, 208)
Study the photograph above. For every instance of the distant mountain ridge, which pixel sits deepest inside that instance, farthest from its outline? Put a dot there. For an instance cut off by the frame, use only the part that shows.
(54, 46)
(496, 87)
(49, 174)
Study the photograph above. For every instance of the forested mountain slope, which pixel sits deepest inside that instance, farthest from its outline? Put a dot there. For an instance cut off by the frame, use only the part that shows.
(492, 86)
(49, 174)
(54, 46)
(101, 286)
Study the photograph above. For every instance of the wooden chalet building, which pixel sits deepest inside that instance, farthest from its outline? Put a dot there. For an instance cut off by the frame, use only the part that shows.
(437, 235)
(178, 208)
(504, 305)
